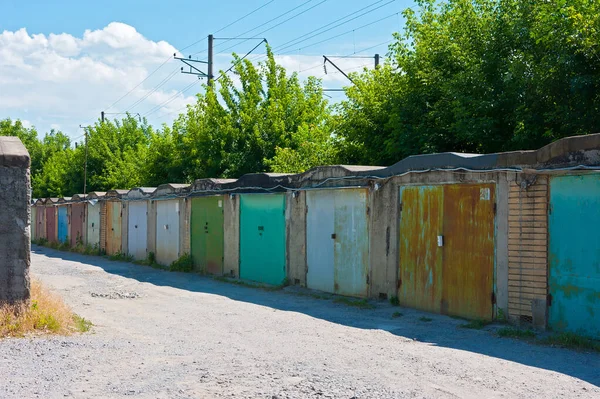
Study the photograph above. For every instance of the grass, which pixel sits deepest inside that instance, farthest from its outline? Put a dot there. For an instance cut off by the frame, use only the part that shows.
(395, 315)
(394, 301)
(81, 324)
(476, 324)
(122, 257)
(426, 319)
(361, 303)
(45, 313)
(571, 341)
(511, 332)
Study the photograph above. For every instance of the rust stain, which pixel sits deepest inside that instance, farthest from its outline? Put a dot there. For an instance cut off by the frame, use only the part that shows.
(420, 258)
(468, 265)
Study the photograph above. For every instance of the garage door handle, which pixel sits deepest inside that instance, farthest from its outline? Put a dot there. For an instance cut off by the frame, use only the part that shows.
(136, 226)
(261, 228)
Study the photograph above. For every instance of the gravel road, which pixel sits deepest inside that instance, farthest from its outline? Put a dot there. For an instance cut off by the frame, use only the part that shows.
(170, 335)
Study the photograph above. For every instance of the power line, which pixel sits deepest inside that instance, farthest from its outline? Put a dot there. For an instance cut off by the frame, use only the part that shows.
(283, 47)
(241, 59)
(159, 106)
(191, 45)
(139, 84)
(348, 55)
(225, 27)
(238, 37)
(162, 83)
(296, 40)
(282, 22)
(345, 33)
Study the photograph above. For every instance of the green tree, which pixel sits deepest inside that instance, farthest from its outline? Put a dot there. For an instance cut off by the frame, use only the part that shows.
(478, 76)
(265, 121)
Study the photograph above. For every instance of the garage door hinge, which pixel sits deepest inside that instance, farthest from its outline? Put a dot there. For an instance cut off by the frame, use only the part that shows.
(493, 298)
(401, 207)
(549, 299)
(495, 208)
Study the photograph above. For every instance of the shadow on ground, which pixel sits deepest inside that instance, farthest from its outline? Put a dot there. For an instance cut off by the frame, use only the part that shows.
(441, 330)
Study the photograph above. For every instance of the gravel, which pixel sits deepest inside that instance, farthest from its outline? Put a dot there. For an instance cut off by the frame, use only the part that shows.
(170, 335)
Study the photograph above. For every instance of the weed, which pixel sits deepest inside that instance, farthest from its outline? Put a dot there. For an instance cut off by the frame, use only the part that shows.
(395, 301)
(151, 258)
(426, 319)
(361, 303)
(501, 317)
(395, 315)
(475, 324)
(119, 256)
(81, 324)
(511, 332)
(45, 313)
(183, 264)
(571, 341)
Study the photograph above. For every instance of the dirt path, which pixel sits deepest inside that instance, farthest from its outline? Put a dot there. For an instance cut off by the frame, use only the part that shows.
(171, 335)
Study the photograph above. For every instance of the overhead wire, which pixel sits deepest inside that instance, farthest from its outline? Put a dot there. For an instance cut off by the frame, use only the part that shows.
(173, 97)
(345, 33)
(185, 48)
(162, 83)
(280, 23)
(239, 37)
(284, 47)
(297, 40)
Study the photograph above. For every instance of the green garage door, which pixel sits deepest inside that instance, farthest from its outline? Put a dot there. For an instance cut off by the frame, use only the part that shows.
(262, 238)
(207, 234)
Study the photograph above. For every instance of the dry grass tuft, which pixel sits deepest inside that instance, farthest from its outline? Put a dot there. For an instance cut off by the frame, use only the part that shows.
(46, 313)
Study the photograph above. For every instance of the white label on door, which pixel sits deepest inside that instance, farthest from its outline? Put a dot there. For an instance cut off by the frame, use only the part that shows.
(484, 194)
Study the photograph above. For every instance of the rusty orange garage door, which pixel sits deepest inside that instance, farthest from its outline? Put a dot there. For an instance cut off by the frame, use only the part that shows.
(447, 249)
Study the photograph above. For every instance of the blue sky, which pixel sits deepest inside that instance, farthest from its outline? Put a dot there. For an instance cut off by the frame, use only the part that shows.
(80, 56)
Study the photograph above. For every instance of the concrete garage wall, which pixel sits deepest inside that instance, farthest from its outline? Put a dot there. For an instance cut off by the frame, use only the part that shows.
(231, 232)
(15, 200)
(384, 228)
(295, 224)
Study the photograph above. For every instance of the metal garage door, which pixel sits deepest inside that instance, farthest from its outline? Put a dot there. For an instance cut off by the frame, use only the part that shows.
(113, 227)
(207, 234)
(456, 275)
(574, 254)
(262, 238)
(77, 223)
(93, 224)
(137, 229)
(63, 224)
(167, 231)
(337, 240)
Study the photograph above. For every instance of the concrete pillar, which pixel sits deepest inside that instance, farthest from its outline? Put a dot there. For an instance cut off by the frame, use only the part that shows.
(15, 208)
(295, 225)
(231, 231)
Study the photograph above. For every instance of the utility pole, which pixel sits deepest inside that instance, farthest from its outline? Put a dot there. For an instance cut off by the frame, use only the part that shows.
(210, 60)
(86, 156)
(102, 116)
(376, 60)
(209, 74)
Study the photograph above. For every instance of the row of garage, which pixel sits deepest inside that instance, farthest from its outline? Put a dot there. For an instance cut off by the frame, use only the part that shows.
(480, 243)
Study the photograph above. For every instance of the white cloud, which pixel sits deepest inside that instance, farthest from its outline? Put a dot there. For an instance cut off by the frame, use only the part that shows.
(61, 80)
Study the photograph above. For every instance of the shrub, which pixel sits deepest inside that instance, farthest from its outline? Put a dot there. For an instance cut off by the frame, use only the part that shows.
(183, 264)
